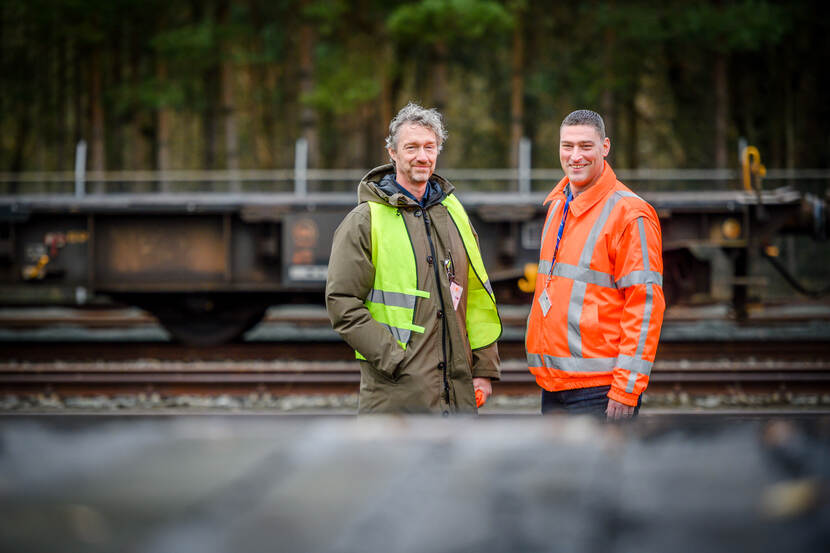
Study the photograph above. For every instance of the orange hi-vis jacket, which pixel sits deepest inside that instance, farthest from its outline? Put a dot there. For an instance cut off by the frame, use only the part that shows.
(601, 322)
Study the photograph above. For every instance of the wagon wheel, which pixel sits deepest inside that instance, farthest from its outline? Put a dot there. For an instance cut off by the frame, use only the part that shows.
(206, 321)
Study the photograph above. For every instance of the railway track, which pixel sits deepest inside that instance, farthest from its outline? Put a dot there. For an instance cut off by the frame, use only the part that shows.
(328, 367)
(117, 317)
(316, 365)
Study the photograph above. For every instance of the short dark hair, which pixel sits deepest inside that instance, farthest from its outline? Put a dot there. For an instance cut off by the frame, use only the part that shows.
(585, 117)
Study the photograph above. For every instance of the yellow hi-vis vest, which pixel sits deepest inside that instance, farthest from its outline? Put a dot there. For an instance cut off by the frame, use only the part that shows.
(391, 301)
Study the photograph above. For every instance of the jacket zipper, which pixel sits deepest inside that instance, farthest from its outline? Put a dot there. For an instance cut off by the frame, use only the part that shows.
(441, 301)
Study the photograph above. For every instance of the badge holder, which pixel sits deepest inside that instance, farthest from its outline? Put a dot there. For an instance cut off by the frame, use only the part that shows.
(455, 289)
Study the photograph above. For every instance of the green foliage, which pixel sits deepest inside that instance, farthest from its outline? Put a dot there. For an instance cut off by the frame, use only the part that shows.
(635, 23)
(735, 26)
(326, 14)
(647, 64)
(151, 93)
(192, 45)
(346, 80)
(430, 21)
(274, 43)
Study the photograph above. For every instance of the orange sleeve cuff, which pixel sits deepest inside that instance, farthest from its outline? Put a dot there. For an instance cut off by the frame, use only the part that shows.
(623, 397)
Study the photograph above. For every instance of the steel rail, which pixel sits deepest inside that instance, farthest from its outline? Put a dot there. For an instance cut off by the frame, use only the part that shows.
(118, 317)
(335, 350)
(175, 377)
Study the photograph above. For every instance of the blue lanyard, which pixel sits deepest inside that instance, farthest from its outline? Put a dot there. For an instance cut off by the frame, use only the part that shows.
(561, 228)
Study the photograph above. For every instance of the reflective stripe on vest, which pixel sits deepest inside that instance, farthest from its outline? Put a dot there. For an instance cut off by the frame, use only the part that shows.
(392, 300)
(582, 275)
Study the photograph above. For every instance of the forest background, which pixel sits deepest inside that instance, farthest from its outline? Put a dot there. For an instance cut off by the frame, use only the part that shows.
(232, 84)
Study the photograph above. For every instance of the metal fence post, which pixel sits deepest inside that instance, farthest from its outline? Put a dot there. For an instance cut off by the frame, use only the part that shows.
(524, 165)
(301, 167)
(80, 168)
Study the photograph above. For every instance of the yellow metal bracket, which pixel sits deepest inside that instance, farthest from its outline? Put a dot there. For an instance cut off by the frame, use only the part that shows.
(528, 283)
(752, 167)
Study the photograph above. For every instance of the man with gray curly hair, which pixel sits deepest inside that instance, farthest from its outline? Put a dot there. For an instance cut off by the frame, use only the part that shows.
(407, 288)
(413, 113)
(415, 122)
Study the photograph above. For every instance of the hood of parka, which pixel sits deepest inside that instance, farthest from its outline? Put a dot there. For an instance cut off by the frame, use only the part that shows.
(379, 186)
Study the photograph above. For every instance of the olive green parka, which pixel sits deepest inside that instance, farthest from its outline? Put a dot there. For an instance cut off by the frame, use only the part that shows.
(435, 372)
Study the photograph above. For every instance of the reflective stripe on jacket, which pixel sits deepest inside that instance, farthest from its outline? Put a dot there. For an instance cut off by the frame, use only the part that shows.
(392, 299)
(605, 292)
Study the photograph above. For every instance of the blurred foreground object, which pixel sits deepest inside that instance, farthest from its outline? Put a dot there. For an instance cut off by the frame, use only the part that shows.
(215, 484)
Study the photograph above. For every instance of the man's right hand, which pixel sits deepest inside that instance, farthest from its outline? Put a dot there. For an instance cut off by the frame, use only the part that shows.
(617, 410)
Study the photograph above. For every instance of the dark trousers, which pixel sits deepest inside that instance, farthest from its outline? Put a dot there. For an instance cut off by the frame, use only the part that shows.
(581, 401)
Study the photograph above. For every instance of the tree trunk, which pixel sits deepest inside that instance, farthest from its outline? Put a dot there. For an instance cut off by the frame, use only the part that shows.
(62, 122)
(633, 135)
(78, 99)
(96, 117)
(790, 113)
(119, 131)
(721, 110)
(366, 134)
(210, 79)
(229, 120)
(201, 10)
(439, 76)
(162, 131)
(517, 91)
(226, 87)
(264, 120)
(24, 123)
(607, 100)
(140, 149)
(308, 117)
(392, 84)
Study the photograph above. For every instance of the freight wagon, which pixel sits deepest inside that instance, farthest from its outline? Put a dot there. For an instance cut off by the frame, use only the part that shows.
(208, 265)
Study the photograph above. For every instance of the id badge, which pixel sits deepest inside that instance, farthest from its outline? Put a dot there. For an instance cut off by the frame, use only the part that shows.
(544, 302)
(455, 291)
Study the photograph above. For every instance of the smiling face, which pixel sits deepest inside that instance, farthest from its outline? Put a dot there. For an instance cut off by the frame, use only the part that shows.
(582, 153)
(415, 157)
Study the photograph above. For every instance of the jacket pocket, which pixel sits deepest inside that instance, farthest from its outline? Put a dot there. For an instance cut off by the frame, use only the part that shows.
(385, 376)
(590, 331)
(372, 378)
(595, 336)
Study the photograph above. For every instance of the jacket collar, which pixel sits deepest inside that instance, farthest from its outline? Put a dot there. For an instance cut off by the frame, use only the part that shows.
(433, 193)
(590, 197)
(379, 186)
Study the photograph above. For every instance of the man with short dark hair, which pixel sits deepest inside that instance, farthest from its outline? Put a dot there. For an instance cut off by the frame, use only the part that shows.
(407, 288)
(598, 307)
